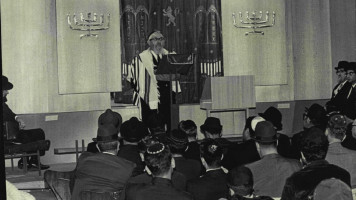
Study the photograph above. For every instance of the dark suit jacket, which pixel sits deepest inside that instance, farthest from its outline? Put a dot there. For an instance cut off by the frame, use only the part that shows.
(24, 136)
(179, 181)
(302, 183)
(290, 148)
(337, 101)
(240, 154)
(7, 114)
(349, 141)
(189, 167)
(132, 153)
(211, 186)
(349, 107)
(158, 189)
(193, 151)
(100, 171)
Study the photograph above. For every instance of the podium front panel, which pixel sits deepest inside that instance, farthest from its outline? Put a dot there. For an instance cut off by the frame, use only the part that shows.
(229, 92)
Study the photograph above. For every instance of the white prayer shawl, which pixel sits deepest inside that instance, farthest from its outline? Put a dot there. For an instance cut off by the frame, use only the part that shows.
(141, 73)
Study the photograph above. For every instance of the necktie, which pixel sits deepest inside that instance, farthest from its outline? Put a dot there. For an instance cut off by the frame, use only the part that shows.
(158, 58)
(338, 89)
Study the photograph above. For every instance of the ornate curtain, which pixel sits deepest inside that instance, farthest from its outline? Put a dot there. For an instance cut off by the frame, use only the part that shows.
(190, 26)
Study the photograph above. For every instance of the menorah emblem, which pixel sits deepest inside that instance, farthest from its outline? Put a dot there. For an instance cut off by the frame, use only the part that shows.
(89, 23)
(255, 21)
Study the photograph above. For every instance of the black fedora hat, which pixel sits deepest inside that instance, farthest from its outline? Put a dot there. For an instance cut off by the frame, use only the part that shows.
(212, 124)
(133, 130)
(274, 116)
(6, 85)
(317, 113)
(342, 65)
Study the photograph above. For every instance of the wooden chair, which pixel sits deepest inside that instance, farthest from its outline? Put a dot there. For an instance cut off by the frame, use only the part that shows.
(15, 150)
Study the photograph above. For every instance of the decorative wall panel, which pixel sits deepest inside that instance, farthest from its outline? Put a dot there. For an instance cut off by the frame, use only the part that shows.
(88, 61)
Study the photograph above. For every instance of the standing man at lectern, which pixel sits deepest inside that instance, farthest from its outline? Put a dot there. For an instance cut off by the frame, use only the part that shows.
(151, 93)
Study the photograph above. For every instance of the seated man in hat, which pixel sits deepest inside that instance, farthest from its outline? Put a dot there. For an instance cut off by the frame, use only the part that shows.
(337, 154)
(22, 136)
(160, 163)
(245, 152)
(212, 128)
(341, 90)
(178, 143)
(190, 129)
(274, 116)
(270, 173)
(314, 116)
(350, 139)
(103, 171)
(213, 184)
(349, 107)
(132, 131)
(179, 180)
(108, 117)
(314, 147)
(240, 182)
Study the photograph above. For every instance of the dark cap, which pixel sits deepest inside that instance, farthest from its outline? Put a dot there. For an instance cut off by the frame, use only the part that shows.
(110, 117)
(154, 34)
(133, 130)
(178, 139)
(6, 85)
(212, 125)
(265, 132)
(337, 120)
(342, 65)
(274, 116)
(189, 127)
(155, 148)
(107, 133)
(317, 114)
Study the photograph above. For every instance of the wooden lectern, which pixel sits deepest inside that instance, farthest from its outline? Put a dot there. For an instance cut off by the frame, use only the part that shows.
(169, 69)
(228, 94)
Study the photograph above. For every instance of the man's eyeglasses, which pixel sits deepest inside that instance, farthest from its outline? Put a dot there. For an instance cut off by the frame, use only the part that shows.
(350, 73)
(158, 39)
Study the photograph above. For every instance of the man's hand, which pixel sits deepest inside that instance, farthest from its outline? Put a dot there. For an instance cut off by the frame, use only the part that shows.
(21, 123)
